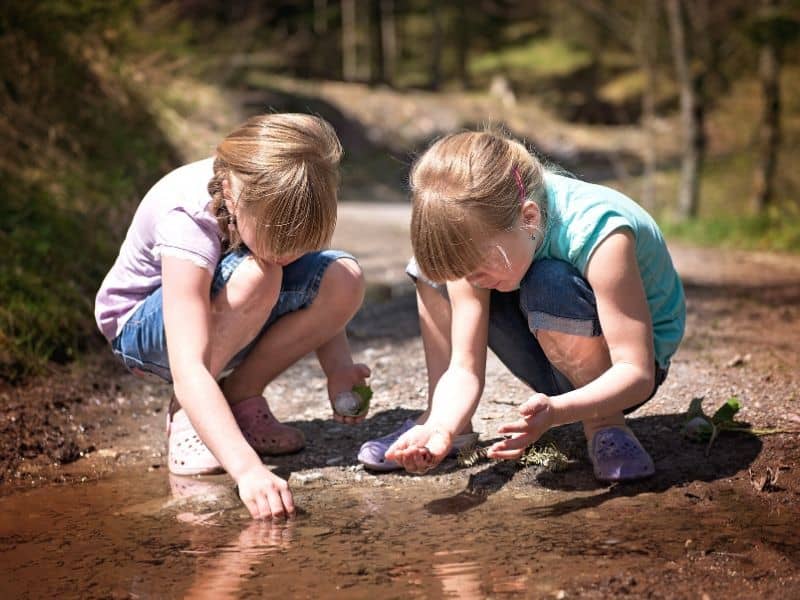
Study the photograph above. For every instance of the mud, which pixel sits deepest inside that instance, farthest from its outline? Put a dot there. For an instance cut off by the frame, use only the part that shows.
(146, 536)
(88, 510)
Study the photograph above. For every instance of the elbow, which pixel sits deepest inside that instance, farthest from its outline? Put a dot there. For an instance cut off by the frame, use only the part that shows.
(645, 381)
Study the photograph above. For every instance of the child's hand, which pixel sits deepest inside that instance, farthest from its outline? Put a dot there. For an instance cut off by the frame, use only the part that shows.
(537, 417)
(421, 448)
(265, 495)
(343, 380)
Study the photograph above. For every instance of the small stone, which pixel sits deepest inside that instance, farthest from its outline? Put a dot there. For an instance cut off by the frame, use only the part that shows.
(347, 403)
(306, 478)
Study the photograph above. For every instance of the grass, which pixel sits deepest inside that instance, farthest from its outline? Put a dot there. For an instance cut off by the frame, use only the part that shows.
(46, 280)
(746, 233)
(69, 190)
(540, 57)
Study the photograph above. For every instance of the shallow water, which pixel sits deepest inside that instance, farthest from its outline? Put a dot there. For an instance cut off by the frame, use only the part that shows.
(144, 536)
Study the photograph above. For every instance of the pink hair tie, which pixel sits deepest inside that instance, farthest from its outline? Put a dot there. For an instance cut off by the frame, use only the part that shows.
(521, 187)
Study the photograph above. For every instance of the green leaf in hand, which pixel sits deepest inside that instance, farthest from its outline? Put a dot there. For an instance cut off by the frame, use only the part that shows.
(364, 391)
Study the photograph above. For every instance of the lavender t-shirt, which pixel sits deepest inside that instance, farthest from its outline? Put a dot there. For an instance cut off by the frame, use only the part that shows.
(174, 219)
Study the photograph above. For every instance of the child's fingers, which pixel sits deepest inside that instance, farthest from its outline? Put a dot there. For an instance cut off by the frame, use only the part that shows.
(285, 494)
(252, 507)
(276, 507)
(396, 450)
(408, 458)
(263, 506)
(362, 370)
(504, 454)
(419, 460)
(517, 442)
(520, 426)
(347, 420)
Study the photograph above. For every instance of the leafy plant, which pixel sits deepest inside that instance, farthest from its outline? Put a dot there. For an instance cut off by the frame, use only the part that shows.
(546, 456)
(700, 427)
(541, 454)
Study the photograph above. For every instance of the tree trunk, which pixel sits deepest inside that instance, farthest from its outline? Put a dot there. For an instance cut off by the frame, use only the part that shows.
(320, 16)
(376, 61)
(436, 47)
(462, 44)
(646, 50)
(769, 129)
(349, 41)
(688, 202)
(388, 40)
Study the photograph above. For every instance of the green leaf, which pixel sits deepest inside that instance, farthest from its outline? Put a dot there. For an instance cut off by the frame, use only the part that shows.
(726, 412)
(364, 391)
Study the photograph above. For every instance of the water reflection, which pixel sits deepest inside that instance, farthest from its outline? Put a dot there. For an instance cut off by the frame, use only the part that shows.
(221, 570)
(460, 577)
(132, 536)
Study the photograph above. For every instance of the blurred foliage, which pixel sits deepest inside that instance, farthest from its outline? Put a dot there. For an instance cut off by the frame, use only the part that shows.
(77, 147)
(545, 57)
(90, 109)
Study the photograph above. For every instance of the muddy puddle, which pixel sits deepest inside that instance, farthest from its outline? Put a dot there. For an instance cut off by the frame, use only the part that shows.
(149, 536)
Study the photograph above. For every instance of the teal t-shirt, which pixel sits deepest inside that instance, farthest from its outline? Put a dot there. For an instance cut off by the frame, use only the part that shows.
(580, 215)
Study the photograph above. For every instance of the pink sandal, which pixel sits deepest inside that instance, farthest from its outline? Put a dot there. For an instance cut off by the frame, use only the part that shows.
(263, 431)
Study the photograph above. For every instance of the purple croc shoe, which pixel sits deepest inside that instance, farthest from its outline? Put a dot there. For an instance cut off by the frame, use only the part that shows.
(617, 455)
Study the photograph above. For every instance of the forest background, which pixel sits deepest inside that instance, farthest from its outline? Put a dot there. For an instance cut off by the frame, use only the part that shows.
(692, 107)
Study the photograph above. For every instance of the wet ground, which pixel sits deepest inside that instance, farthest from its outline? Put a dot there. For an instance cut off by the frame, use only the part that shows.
(88, 510)
(138, 535)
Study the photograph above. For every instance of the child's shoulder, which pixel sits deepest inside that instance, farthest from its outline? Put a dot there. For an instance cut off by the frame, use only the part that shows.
(197, 171)
(569, 186)
(185, 186)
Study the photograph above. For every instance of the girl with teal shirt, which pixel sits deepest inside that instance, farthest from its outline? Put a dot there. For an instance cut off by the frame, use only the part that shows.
(571, 285)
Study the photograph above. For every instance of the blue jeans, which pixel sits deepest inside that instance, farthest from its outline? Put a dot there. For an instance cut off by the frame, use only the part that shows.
(142, 343)
(553, 296)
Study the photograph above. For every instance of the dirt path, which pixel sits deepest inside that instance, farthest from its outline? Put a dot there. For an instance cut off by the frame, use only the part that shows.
(742, 340)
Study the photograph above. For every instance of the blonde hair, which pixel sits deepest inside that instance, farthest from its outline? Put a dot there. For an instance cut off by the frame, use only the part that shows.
(466, 188)
(287, 165)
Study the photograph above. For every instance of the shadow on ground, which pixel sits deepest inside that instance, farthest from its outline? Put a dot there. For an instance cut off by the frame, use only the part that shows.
(679, 462)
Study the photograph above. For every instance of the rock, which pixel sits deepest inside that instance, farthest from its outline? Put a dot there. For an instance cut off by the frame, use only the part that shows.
(306, 478)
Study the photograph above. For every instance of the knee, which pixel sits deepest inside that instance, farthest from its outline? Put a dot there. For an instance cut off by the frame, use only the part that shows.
(549, 274)
(557, 289)
(342, 288)
(254, 286)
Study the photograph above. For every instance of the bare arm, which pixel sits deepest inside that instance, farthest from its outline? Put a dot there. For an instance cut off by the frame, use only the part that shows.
(627, 327)
(624, 316)
(187, 322)
(459, 389)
